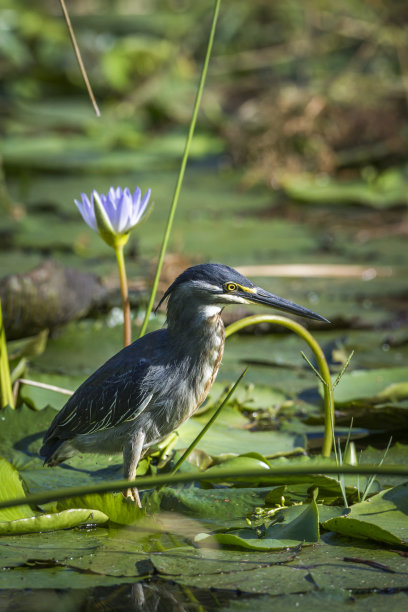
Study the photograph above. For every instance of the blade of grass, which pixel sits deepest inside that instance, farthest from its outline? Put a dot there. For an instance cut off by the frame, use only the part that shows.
(310, 364)
(344, 368)
(146, 482)
(340, 477)
(183, 165)
(374, 476)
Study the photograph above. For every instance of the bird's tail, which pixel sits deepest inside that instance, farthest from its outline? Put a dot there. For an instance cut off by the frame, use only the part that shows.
(56, 451)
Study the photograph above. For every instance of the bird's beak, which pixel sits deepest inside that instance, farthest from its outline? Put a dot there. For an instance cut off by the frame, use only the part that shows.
(260, 296)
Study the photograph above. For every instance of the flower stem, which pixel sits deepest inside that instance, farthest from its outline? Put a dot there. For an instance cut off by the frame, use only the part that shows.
(6, 391)
(127, 330)
(179, 182)
(321, 362)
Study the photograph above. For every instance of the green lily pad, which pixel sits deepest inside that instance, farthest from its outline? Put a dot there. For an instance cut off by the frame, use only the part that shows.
(336, 565)
(189, 561)
(11, 487)
(215, 507)
(21, 435)
(240, 463)
(376, 398)
(55, 578)
(221, 441)
(56, 520)
(119, 510)
(383, 518)
(397, 454)
(54, 546)
(39, 398)
(300, 524)
(372, 386)
(274, 580)
(21, 519)
(388, 190)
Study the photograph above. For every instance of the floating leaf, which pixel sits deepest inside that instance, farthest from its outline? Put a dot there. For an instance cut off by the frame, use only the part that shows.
(372, 386)
(56, 520)
(300, 525)
(21, 519)
(11, 487)
(220, 507)
(383, 518)
(221, 441)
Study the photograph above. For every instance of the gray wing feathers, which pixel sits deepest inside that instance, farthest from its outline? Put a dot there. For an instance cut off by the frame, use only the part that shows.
(111, 395)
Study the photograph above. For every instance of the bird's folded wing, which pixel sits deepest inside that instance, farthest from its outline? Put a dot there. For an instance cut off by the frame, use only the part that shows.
(102, 402)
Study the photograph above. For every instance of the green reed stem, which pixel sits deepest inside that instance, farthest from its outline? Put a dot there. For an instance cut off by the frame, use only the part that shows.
(321, 362)
(182, 169)
(208, 425)
(6, 390)
(127, 327)
(275, 474)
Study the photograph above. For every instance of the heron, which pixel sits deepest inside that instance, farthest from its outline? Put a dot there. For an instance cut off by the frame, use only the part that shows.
(149, 388)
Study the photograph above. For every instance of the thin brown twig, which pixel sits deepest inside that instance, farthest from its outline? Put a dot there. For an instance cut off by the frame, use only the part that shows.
(79, 58)
(36, 383)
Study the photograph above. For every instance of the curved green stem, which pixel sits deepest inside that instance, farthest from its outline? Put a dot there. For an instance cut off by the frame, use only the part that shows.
(177, 190)
(321, 362)
(127, 329)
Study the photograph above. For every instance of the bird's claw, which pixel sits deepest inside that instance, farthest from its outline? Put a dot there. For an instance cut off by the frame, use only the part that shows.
(133, 494)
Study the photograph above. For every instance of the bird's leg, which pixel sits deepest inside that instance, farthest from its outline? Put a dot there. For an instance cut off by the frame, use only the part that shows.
(131, 456)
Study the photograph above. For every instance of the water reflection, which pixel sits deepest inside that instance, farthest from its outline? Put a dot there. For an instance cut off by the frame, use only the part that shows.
(143, 596)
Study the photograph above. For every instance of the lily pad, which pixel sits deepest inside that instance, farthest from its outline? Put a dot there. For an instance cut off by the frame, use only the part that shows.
(388, 190)
(383, 518)
(21, 519)
(215, 507)
(300, 524)
(11, 487)
(372, 386)
(52, 546)
(54, 521)
(221, 441)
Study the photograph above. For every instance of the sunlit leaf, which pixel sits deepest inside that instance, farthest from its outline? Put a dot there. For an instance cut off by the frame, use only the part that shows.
(383, 518)
(300, 525)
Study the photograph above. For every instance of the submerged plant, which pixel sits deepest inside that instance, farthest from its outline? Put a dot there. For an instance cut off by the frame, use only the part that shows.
(113, 216)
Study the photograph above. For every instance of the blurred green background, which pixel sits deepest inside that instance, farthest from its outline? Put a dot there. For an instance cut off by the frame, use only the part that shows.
(300, 157)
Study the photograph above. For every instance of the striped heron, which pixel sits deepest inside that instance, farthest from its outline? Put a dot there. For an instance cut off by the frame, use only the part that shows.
(148, 389)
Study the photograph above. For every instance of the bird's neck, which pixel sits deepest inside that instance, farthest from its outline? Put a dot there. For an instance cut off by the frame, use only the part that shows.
(193, 325)
(196, 341)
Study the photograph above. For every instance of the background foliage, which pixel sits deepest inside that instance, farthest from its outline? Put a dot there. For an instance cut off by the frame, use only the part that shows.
(299, 158)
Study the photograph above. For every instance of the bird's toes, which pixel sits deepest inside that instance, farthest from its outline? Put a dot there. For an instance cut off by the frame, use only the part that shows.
(133, 494)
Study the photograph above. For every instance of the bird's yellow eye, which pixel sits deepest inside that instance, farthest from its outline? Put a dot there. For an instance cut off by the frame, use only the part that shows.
(230, 287)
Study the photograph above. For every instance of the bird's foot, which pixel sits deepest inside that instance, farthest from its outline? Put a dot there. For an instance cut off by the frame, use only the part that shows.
(133, 494)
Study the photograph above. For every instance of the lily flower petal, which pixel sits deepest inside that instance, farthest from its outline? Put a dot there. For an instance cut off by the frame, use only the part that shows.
(119, 210)
(143, 205)
(87, 211)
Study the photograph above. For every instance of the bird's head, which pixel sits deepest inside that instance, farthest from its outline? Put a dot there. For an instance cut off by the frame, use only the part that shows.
(212, 286)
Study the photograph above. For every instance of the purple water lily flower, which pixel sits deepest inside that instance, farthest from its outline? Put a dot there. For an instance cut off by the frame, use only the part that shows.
(120, 209)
